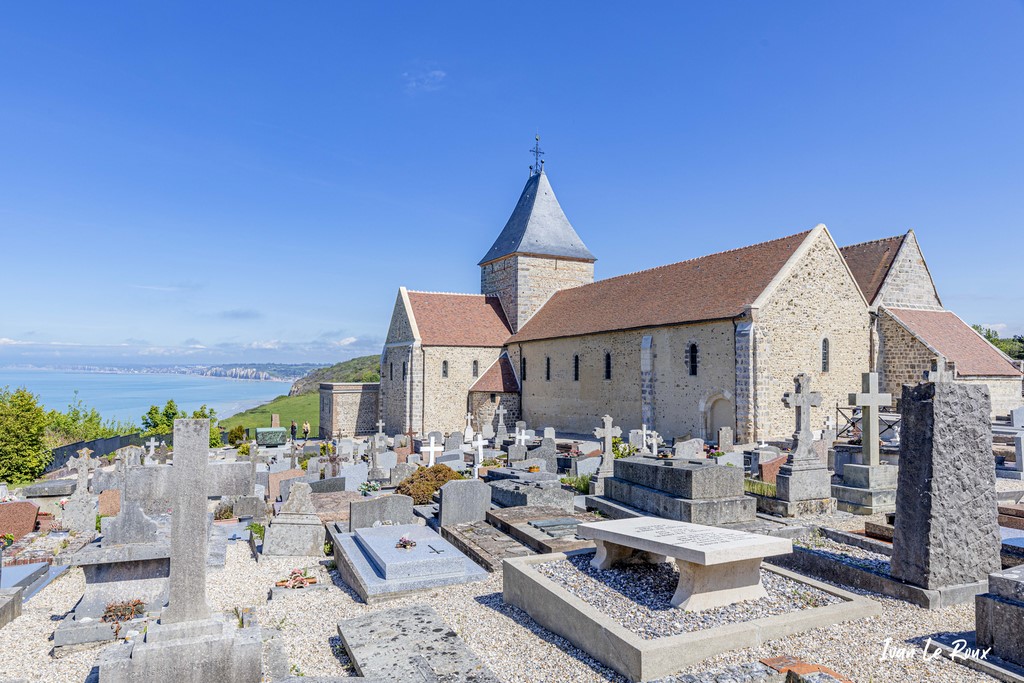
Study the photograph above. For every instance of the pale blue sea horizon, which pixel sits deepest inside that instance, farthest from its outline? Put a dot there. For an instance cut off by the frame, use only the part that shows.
(126, 397)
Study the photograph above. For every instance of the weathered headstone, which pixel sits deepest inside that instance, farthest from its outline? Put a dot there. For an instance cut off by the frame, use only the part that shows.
(401, 472)
(725, 439)
(296, 530)
(1017, 417)
(464, 501)
(549, 433)
(453, 442)
(382, 511)
(946, 530)
(691, 448)
(80, 510)
(868, 488)
(804, 482)
(607, 433)
(275, 420)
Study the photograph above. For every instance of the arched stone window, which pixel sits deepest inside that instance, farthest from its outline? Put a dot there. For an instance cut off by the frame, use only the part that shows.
(575, 368)
(607, 365)
(692, 359)
(824, 355)
(547, 368)
(476, 368)
(444, 368)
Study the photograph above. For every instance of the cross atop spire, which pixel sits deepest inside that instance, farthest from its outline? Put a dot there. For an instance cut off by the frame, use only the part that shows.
(538, 163)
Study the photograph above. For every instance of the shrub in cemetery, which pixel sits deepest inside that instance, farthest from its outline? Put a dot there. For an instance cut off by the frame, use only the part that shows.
(581, 483)
(236, 435)
(161, 420)
(760, 488)
(224, 511)
(257, 529)
(23, 452)
(81, 423)
(326, 449)
(422, 484)
(621, 449)
(243, 449)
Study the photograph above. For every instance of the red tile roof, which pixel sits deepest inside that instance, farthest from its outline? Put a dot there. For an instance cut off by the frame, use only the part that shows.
(459, 319)
(499, 378)
(18, 518)
(954, 339)
(712, 287)
(870, 263)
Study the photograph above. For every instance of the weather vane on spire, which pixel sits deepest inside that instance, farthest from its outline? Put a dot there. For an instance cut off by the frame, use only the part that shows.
(538, 163)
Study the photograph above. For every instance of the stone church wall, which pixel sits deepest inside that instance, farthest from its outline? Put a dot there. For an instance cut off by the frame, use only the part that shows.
(348, 409)
(904, 358)
(1005, 392)
(909, 284)
(525, 283)
(680, 401)
(395, 394)
(447, 399)
(484, 410)
(819, 299)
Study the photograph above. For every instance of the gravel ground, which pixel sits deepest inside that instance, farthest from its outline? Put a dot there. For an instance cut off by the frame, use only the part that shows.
(506, 639)
(639, 597)
(848, 554)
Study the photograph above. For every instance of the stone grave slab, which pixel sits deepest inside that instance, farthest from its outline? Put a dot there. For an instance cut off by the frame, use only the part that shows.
(542, 528)
(410, 644)
(333, 507)
(464, 501)
(367, 561)
(393, 509)
(717, 567)
(401, 472)
(484, 544)
(18, 518)
(271, 436)
(515, 493)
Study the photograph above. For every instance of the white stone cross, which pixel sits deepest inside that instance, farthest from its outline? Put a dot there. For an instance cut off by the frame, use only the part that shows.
(607, 432)
(869, 401)
(941, 371)
(478, 454)
(500, 412)
(83, 464)
(654, 440)
(803, 399)
(152, 443)
(520, 437)
(432, 451)
(380, 426)
(467, 435)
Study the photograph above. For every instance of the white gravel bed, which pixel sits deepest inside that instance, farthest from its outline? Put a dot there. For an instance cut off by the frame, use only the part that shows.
(876, 563)
(506, 639)
(1004, 485)
(639, 596)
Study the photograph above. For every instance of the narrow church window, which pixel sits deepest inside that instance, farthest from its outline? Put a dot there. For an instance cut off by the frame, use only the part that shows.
(476, 368)
(494, 398)
(824, 355)
(522, 369)
(403, 370)
(444, 368)
(547, 368)
(575, 368)
(607, 366)
(692, 357)
(391, 370)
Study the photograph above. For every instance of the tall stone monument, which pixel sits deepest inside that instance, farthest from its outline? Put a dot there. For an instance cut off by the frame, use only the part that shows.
(188, 645)
(80, 510)
(947, 531)
(804, 485)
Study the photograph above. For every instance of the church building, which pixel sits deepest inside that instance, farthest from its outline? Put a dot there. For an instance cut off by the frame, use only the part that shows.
(686, 348)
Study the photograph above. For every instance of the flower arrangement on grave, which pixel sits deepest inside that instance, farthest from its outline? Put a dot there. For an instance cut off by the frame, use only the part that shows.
(621, 449)
(224, 511)
(405, 543)
(533, 468)
(298, 578)
(63, 502)
(368, 487)
(6, 540)
(716, 454)
(666, 454)
(117, 612)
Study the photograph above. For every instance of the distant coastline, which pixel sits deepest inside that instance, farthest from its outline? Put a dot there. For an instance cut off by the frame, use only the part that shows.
(260, 372)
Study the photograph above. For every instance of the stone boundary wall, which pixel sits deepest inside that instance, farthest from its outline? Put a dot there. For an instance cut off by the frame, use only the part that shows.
(348, 409)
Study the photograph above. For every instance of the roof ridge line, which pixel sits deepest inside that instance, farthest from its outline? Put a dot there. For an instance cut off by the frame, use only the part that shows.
(880, 239)
(698, 258)
(421, 291)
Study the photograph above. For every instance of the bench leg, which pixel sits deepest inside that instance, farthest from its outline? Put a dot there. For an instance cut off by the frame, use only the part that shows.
(609, 553)
(704, 587)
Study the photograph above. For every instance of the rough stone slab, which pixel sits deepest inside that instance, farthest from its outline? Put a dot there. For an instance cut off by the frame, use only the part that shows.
(410, 644)
(10, 605)
(391, 509)
(50, 489)
(693, 479)
(464, 501)
(723, 510)
(513, 493)
(1000, 625)
(484, 544)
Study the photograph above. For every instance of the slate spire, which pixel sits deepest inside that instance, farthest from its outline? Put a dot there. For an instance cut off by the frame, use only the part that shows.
(538, 226)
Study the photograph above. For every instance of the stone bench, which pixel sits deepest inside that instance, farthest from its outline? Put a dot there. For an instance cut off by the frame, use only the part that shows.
(717, 566)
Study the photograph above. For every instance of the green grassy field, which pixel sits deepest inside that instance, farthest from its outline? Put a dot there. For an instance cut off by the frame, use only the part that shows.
(298, 408)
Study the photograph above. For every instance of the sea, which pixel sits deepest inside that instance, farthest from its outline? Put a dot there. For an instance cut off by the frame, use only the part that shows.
(126, 397)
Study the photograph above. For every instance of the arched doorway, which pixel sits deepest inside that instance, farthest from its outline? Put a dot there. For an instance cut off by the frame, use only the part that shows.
(719, 412)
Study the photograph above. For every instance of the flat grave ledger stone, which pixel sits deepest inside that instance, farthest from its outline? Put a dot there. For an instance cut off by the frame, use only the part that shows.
(717, 567)
(271, 436)
(1017, 417)
(369, 561)
(1015, 470)
(999, 615)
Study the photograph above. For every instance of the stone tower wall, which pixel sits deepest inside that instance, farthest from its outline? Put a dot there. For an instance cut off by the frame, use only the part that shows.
(525, 283)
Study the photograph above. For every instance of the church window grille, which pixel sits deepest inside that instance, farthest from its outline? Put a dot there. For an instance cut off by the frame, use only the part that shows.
(575, 368)
(824, 355)
(607, 366)
(444, 369)
(476, 368)
(692, 359)
(547, 368)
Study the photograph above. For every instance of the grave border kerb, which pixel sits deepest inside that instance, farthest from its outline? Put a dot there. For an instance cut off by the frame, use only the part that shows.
(638, 659)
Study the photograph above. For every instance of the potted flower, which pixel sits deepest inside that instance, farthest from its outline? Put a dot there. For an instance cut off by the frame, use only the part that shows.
(58, 530)
(533, 468)
(298, 578)
(405, 543)
(368, 488)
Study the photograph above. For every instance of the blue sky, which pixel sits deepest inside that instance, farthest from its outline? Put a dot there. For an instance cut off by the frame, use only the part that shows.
(246, 182)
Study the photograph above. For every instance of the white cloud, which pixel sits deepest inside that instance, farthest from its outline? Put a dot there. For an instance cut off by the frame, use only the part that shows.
(345, 342)
(270, 344)
(5, 341)
(996, 327)
(423, 80)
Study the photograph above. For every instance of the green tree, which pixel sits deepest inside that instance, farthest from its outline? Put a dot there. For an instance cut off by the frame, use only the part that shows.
(210, 414)
(1012, 347)
(23, 452)
(81, 423)
(161, 421)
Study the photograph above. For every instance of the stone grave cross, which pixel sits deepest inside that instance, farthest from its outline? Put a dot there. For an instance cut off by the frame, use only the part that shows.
(294, 458)
(468, 433)
(607, 432)
(520, 437)
(83, 464)
(502, 431)
(802, 399)
(380, 426)
(432, 451)
(478, 454)
(870, 400)
(607, 467)
(941, 371)
(152, 443)
(409, 436)
(654, 439)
